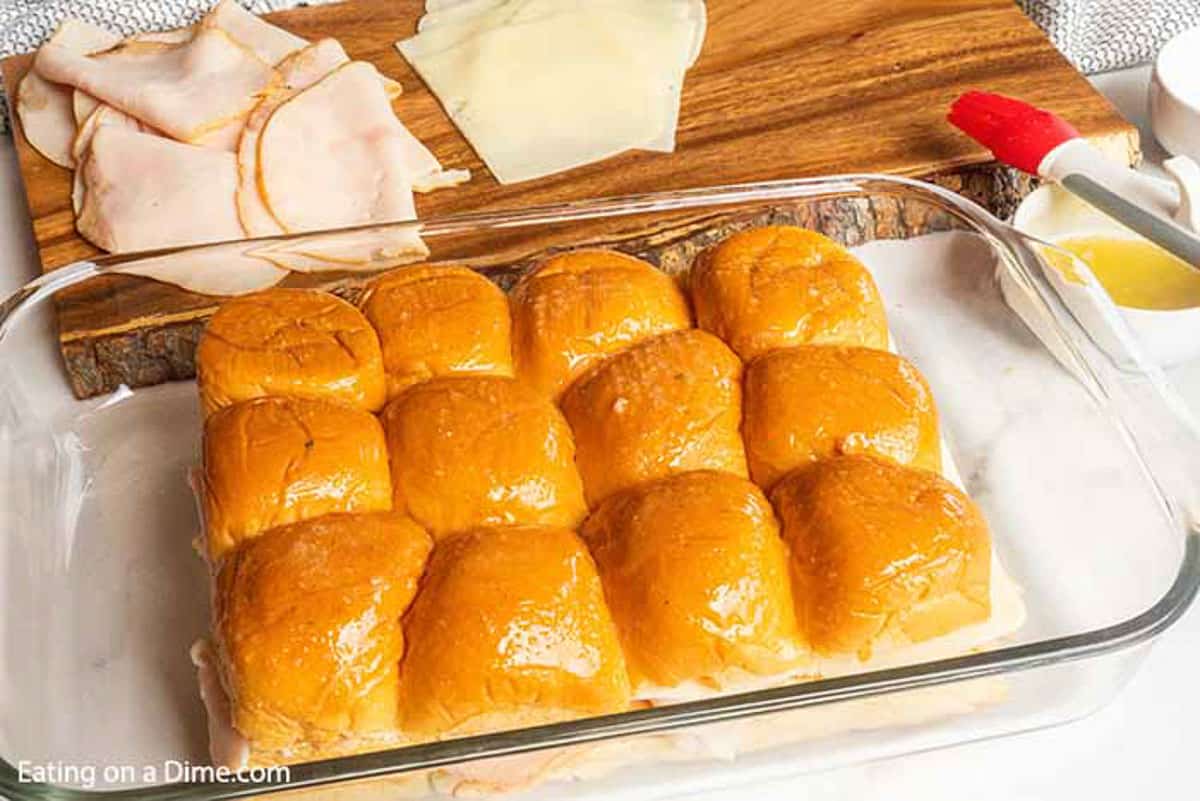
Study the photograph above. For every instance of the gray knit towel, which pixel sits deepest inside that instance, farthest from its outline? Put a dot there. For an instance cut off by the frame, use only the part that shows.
(1102, 35)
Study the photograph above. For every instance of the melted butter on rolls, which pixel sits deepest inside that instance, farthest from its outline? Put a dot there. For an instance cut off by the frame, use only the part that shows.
(669, 405)
(472, 450)
(809, 403)
(289, 342)
(575, 308)
(306, 622)
(271, 461)
(436, 320)
(697, 580)
(509, 630)
(883, 555)
(778, 286)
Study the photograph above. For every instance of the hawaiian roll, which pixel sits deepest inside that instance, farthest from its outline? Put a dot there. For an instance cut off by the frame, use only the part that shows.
(470, 451)
(669, 405)
(436, 320)
(510, 629)
(294, 342)
(812, 402)
(272, 461)
(575, 308)
(779, 285)
(306, 626)
(883, 555)
(696, 576)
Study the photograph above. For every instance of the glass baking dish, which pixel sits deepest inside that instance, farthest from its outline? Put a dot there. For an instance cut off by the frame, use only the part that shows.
(1082, 459)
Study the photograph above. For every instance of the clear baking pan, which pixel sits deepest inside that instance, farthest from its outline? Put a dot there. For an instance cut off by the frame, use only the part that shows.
(1082, 460)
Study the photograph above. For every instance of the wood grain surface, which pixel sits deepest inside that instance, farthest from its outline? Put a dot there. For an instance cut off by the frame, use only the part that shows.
(780, 90)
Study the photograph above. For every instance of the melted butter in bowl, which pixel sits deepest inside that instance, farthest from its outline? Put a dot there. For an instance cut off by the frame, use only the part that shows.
(1156, 294)
(1137, 274)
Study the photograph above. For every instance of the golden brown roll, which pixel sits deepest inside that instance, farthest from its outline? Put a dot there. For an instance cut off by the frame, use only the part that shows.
(272, 461)
(883, 555)
(434, 320)
(778, 286)
(296, 342)
(509, 630)
(472, 451)
(669, 405)
(697, 580)
(812, 402)
(576, 308)
(306, 625)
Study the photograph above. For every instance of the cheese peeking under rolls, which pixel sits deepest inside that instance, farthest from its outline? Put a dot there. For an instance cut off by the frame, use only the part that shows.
(471, 451)
(696, 576)
(813, 402)
(306, 625)
(293, 342)
(271, 461)
(435, 320)
(510, 629)
(779, 285)
(669, 405)
(576, 308)
(883, 556)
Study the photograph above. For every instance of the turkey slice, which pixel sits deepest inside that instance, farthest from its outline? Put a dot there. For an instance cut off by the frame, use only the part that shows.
(185, 90)
(270, 43)
(363, 250)
(335, 155)
(298, 71)
(103, 114)
(224, 269)
(82, 105)
(46, 108)
(171, 36)
(145, 191)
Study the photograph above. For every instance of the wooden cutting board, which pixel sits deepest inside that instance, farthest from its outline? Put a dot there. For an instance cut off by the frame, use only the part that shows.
(780, 90)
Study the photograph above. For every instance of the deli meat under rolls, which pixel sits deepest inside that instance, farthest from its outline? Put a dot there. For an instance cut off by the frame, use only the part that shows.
(697, 580)
(291, 342)
(669, 405)
(510, 629)
(778, 286)
(469, 451)
(883, 555)
(576, 308)
(306, 625)
(436, 320)
(272, 461)
(813, 402)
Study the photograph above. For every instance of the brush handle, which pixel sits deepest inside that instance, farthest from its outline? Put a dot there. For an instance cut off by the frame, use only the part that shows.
(1162, 231)
(1078, 157)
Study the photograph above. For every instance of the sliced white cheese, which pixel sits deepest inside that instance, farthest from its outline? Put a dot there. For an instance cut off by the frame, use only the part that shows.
(467, 17)
(569, 84)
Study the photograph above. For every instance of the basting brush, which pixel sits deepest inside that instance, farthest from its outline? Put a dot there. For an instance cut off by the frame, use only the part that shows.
(1043, 144)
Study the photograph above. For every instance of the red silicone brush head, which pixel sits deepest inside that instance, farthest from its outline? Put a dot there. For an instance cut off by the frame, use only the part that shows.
(1016, 132)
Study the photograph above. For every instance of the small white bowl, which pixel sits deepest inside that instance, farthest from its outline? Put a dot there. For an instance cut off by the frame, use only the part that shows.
(1175, 95)
(1052, 214)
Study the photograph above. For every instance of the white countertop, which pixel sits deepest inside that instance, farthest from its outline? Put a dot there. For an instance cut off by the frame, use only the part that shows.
(1136, 744)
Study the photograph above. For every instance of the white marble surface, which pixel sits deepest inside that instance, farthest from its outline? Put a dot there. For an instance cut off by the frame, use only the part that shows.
(1134, 745)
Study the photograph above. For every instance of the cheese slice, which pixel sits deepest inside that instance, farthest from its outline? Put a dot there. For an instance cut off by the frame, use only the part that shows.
(538, 86)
